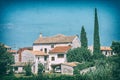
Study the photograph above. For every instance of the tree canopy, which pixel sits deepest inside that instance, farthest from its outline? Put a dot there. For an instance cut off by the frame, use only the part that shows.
(96, 47)
(116, 49)
(28, 70)
(83, 38)
(6, 59)
(40, 68)
(79, 55)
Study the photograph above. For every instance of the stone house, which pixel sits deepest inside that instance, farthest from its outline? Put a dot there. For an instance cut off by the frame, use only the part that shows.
(32, 57)
(56, 47)
(58, 56)
(49, 51)
(107, 51)
(68, 67)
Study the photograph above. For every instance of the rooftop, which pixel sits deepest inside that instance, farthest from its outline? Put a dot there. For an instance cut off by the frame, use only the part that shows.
(72, 64)
(105, 48)
(60, 49)
(101, 48)
(60, 38)
(37, 53)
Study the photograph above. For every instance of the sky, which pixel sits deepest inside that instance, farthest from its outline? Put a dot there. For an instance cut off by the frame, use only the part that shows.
(21, 21)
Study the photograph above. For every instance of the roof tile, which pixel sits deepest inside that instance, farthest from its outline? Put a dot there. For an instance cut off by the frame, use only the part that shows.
(54, 39)
(60, 49)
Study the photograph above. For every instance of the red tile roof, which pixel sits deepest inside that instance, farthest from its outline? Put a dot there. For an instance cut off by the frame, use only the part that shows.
(72, 64)
(60, 49)
(105, 48)
(37, 53)
(54, 39)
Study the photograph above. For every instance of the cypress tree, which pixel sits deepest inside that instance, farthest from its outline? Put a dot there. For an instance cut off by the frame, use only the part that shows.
(83, 37)
(96, 47)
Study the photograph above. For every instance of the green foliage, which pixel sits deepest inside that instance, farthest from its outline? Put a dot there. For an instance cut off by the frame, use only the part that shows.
(98, 56)
(85, 65)
(6, 59)
(103, 71)
(116, 47)
(28, 70)
(116, 70)
(76, 71)
(78, 55)
(40, 68)
(83, 38)
(96, 47)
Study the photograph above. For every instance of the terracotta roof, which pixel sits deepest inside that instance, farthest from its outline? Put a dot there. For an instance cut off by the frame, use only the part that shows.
(12, 51)
(101, 48)
(105, 48)
(72, 64)
(60, 49)
(54, 39)
(38, 53)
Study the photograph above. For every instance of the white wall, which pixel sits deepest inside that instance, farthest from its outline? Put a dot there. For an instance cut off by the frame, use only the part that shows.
(16, 57)
(109, 53)
(76, 43)
(66, 69)
(39, 47)
(27, 56)
(57, 60)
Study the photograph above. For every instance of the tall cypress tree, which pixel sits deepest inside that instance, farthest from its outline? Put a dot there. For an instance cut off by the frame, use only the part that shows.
(83, 38)
(96, 47)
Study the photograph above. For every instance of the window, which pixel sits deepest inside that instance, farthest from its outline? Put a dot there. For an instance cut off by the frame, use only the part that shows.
(111, 53)
(105, 52)
(45, 50)
(41, 49)
(52, 46)
(45, 58)
(38, 58)
(60, 55)
(52, 58)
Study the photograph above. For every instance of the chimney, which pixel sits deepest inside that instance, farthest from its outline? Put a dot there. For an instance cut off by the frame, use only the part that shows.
(40, 35)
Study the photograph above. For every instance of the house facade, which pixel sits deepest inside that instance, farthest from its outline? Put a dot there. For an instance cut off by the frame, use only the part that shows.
(105, 50)
(68, 67)
(32, 57)
(56, 47)
(50, 51)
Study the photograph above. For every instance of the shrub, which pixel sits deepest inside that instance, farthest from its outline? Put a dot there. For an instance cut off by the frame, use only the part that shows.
(28, 71)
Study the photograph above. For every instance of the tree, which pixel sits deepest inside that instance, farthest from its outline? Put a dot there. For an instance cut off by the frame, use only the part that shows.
(96, 47)
(116, 47)
(28, 70)
(6, 59)
(116, 69)
(79, 55)
(40, 68)
(83, 38)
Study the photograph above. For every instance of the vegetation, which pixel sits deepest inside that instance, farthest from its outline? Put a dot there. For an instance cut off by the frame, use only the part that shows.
(6, 59)
(83, 38)
(28, 70)
(96, 47)
(116, 70)
(79, 55)
(40, 68)
(106, 68)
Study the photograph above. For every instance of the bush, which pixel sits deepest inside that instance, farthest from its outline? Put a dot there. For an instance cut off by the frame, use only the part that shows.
(79, 55)
(28, 70)
(40, 68)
